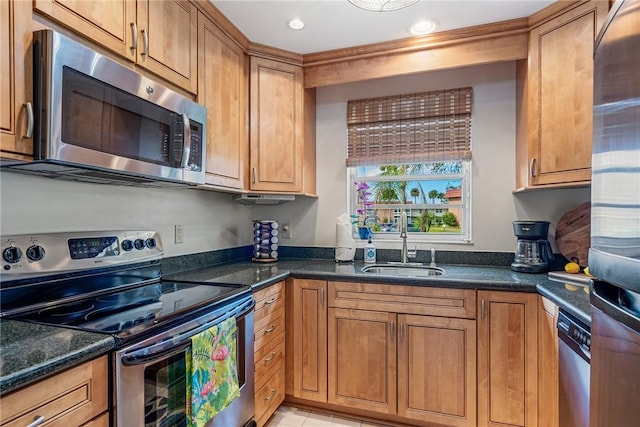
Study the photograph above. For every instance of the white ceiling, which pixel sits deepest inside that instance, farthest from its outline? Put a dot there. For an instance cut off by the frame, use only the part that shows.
(335, 24)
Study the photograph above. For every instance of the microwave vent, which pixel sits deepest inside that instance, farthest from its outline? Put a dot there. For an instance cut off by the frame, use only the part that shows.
(67, 172)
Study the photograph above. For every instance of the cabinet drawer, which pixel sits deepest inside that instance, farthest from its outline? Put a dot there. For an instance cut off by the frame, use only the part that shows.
(404, 299)
(101, 421)
(267, 358)
(266, 293)
(268, 331)
(270, 396)
(269, 307)
(67, 399)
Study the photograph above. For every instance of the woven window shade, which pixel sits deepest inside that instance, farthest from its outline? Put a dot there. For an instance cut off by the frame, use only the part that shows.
(416, 128)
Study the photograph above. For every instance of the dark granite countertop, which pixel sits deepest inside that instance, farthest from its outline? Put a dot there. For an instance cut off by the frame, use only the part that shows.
(572, 298)
(30, 352)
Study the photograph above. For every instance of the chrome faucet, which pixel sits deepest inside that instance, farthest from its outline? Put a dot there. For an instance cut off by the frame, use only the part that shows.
(405, 253)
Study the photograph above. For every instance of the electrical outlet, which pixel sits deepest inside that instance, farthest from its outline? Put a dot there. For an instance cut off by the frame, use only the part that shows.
(179, 234)
(286, 231)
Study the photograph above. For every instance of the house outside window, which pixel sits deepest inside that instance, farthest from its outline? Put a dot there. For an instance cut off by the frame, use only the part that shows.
(411, 153)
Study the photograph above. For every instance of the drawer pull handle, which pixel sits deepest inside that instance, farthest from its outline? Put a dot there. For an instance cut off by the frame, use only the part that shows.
(273, 394)
(273, 356)
(271, 329)
(392, 329)
(322, 297)
(38, 420)
(271, 301)
(482, 308)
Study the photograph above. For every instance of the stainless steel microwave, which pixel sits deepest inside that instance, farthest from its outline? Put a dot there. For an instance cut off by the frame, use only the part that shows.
(99, 121)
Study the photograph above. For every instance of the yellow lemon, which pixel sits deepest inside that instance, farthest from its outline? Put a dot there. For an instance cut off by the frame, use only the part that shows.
(586, 271)
(572, 267)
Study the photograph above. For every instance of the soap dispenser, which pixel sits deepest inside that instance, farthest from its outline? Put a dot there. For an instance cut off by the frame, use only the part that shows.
(370, 252)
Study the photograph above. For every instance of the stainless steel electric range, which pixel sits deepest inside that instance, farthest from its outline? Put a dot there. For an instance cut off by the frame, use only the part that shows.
(110, 283)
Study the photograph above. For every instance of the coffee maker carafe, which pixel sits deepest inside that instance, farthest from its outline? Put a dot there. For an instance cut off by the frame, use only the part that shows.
(533, 251)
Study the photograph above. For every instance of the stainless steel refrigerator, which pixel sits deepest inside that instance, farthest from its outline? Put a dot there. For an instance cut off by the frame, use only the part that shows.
(614, 256)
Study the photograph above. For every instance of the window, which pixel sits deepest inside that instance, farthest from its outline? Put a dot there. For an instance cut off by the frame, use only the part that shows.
(412, 153)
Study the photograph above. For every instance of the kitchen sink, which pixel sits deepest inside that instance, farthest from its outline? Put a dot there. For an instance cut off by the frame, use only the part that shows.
(404, 270)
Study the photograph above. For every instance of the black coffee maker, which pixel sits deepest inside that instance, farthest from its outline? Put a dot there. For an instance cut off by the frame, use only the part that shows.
(533, 251)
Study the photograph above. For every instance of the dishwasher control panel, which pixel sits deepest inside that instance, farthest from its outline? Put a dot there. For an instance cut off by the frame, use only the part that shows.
(574, 330)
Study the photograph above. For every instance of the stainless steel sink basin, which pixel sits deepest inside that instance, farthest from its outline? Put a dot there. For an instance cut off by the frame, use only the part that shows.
(403, 270)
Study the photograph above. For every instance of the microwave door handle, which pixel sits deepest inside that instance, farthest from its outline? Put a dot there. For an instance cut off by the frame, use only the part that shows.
(186, 142)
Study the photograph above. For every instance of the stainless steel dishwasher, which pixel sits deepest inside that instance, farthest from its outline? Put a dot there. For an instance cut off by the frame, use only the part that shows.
(574, 356)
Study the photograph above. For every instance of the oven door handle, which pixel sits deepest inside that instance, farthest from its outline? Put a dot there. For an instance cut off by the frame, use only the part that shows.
(178, 343)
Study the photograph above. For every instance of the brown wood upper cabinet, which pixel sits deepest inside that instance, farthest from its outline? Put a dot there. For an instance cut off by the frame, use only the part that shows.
(507, 359)
(222, 88)
(160, 36)
(16, 110)
(277, 151)
(555, 98)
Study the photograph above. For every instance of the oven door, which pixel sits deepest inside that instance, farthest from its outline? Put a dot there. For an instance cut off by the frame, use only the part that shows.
(151, 379)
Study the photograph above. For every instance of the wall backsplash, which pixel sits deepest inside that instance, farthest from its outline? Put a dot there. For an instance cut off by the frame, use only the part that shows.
(211, 220)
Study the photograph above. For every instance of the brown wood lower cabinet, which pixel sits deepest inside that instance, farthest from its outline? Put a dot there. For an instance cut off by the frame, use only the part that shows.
(415, 355)
(437, 369)
(362, 359)
(507, 359)
(75, 397)
(307, 339)
(421, 368)
(548, 395)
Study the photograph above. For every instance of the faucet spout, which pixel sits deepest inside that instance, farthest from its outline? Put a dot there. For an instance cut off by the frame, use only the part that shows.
(404, 254)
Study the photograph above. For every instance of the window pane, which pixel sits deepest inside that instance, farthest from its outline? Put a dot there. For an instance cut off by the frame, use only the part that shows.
(431, 194)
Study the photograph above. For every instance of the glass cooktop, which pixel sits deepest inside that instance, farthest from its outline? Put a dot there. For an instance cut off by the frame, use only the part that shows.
(141, 307)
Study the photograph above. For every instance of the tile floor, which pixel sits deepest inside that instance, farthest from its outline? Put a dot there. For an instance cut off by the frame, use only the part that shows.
(287, 416)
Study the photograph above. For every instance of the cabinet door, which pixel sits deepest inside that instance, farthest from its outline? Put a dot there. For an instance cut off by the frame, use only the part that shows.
(561, 90)
(169, 32)
(362, 359)
(276, 110)
(437, 370)
(548, 395)
(222, 88)
(15, 85)
(306, 352)
(507, 359)
(111, 24)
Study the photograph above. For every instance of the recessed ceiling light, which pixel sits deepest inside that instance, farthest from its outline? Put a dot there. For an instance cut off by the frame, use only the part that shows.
(295, 24)
(424, 27)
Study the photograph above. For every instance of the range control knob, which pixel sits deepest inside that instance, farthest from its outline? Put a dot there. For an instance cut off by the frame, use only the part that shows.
(150, 242)
(35, 253)
(127, 245)
(139, 244)
(12, 254)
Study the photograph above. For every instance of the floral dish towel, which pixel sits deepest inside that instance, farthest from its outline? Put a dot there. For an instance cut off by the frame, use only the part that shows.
(213, 371)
